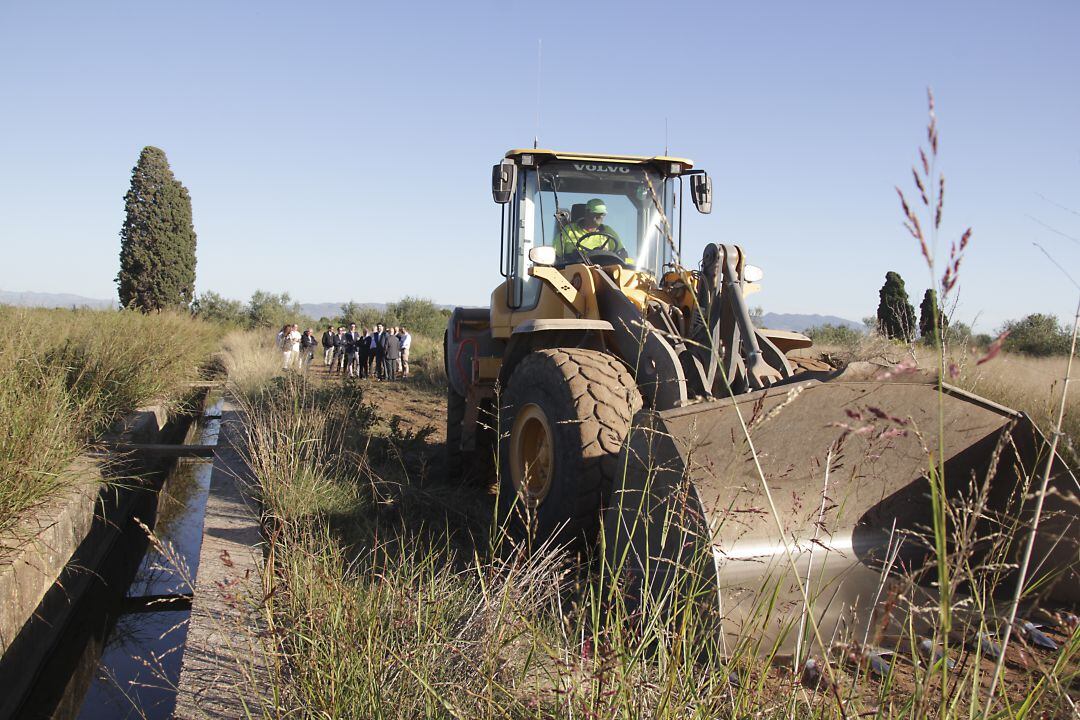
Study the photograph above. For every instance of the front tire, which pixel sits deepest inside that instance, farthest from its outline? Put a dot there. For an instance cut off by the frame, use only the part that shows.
(563, 420)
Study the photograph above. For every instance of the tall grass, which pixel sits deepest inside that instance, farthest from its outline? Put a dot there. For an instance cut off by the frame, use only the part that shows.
(66, 376)
(388, 598)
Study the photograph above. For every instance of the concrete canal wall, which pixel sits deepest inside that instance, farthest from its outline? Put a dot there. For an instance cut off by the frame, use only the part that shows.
(49, 559)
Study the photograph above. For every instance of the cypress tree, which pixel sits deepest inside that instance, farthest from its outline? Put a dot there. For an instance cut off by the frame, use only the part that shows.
(157, 241)
(927, 309)
(896, 316)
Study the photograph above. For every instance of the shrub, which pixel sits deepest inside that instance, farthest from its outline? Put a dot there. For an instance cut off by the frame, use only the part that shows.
(419, 315)
(828, 334)
(1037, 334)
(212, 307)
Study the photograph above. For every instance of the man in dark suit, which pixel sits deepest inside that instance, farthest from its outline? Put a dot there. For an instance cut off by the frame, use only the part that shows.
(362, 356)
(352, 351)
(328, 345)
(377, 351)
(391, 353)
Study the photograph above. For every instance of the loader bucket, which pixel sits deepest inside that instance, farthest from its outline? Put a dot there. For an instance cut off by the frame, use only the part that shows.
(846, 460)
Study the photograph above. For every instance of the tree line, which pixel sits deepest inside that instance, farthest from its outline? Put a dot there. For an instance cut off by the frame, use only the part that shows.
(269, 310)
(1037, 334)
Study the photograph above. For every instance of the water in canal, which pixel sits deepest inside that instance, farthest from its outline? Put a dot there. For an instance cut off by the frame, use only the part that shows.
(121, 652)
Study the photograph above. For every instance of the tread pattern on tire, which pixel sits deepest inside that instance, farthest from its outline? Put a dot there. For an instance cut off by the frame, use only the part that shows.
(605, 398)
(455, 416)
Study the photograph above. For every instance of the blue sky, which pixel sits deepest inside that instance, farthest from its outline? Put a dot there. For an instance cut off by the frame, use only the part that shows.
(343, 150)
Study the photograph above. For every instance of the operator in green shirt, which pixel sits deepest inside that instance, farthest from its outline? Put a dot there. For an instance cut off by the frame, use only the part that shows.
(576, 239)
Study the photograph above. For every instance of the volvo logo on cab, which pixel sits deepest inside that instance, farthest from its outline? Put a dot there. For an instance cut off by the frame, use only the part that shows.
(603, 168)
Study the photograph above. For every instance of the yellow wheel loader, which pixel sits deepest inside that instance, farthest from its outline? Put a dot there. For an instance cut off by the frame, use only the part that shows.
(633, 408)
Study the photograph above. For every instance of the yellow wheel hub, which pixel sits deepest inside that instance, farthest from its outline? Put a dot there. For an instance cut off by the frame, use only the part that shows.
(532, 455)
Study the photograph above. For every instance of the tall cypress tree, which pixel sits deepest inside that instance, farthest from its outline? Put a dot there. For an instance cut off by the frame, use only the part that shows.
(927, 310)
(896, 316)
(157, 241)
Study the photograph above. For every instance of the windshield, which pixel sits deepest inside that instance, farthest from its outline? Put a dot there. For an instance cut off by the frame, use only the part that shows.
(606, 212)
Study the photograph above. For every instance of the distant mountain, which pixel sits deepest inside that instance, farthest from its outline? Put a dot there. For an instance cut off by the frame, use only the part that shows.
(799, 323)
(53, 300)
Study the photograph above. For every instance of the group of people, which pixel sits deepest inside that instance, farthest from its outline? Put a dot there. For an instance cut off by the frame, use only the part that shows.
(382, 353)
(297, 349)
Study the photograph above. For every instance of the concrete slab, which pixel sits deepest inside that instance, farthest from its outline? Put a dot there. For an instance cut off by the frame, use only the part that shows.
(225, 671)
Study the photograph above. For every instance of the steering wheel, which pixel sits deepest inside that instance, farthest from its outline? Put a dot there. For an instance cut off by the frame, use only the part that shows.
(609, 240)
(610, 248)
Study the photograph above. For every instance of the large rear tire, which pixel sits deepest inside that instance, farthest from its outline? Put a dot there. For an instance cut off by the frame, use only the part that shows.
(563, 420)
(455, 419)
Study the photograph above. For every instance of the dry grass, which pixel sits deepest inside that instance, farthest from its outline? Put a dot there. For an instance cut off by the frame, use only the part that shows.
(66, 376)
(1029, 384)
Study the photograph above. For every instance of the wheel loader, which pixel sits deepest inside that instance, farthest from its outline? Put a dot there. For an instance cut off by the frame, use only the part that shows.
(634, 410)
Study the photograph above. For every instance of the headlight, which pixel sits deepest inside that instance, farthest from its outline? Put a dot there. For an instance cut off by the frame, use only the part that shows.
(752, 273)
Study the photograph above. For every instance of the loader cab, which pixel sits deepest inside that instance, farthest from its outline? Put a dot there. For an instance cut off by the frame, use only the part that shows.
(546, 196)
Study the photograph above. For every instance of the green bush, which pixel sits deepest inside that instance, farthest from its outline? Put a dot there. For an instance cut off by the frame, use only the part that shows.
(212, 307)
(1037, 334)
(828, 334)
(419, 315)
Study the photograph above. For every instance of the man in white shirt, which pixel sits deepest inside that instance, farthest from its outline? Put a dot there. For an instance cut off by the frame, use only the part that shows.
(406, 342)
(292, 343)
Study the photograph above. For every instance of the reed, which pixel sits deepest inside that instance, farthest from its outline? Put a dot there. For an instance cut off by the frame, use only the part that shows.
(67, 375)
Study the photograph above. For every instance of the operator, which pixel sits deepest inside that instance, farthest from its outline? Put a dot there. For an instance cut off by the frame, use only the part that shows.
(589, 233)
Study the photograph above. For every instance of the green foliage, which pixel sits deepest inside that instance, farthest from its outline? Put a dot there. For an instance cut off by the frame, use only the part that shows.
(958, 334)
(928, 311)
(157, 240)
(895, 315)
(1037, 334)
(828, 334)
(419, 315)
(365, 316)
(351, 312)
(267, 309)
(213, 307)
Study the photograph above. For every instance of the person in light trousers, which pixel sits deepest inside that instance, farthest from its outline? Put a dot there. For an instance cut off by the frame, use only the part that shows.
(328, 345)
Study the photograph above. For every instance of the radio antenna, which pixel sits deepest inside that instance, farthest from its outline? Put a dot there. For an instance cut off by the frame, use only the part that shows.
(539, 66)
(665, 137)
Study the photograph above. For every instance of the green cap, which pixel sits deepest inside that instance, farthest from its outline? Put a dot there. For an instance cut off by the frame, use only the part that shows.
(596, 205)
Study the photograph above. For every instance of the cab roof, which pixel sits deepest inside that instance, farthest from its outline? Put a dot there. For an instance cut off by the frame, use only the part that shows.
(663, 163)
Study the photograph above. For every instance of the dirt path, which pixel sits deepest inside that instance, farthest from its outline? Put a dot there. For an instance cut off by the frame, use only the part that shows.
(417, 405)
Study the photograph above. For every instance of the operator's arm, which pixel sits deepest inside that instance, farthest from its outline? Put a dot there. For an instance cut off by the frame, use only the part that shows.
(566, 240)
(619, 248)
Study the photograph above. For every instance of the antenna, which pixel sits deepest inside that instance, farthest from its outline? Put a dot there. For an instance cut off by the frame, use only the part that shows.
(665, 138)
(539, 66)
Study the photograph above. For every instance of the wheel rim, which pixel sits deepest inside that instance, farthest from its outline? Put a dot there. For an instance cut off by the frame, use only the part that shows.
(532, 455)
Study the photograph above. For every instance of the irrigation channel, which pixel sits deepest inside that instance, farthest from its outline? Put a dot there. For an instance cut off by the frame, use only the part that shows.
(118, 653)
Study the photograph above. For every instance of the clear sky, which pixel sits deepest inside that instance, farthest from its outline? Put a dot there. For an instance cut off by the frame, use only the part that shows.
(343, 150)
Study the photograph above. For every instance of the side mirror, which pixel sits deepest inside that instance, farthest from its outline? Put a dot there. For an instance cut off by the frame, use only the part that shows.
(503, 181)
(701, 192)
(542, 255)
